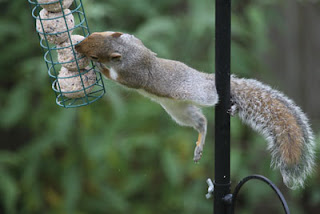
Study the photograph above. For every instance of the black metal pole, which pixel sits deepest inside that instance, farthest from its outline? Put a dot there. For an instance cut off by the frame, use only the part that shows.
(222, 118)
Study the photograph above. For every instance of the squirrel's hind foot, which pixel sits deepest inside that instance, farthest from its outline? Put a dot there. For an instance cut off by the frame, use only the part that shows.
(197, 153)
(233, 110)
(199, 147)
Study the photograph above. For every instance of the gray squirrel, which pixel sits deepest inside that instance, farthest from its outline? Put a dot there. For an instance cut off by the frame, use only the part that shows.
(182, 90)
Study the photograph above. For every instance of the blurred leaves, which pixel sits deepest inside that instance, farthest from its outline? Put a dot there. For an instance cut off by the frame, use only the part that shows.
(8, 191)
(123, 154)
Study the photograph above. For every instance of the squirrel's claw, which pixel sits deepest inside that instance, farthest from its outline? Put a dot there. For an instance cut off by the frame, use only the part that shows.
(99, 66)
(103, 69)
(233, 110)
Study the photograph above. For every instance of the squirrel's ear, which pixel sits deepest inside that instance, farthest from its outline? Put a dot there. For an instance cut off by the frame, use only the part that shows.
(116, 34)
(115, 56)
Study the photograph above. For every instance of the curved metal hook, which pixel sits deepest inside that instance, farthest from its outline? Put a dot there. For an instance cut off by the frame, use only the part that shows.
(265, 180)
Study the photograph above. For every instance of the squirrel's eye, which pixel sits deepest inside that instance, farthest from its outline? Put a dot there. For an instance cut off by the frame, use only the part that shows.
(94, 58)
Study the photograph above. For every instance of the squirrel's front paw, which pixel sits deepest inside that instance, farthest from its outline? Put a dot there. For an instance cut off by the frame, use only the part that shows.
(99, 66)
(197, 153)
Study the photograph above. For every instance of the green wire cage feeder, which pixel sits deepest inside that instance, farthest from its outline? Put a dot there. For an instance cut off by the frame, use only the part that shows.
(61, 24)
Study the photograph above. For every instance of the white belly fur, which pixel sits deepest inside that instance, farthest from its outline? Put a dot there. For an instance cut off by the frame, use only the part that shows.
(153, 97)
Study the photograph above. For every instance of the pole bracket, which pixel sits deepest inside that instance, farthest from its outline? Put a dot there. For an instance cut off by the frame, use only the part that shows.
(210, 188)
(227, 199)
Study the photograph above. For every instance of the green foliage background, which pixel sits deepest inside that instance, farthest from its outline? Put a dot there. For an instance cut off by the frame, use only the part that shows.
(123, 154)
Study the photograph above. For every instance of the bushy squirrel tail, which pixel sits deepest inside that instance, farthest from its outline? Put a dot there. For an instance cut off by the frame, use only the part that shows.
(282, 123)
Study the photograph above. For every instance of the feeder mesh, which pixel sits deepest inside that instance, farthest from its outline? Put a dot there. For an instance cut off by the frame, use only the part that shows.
(56, 30)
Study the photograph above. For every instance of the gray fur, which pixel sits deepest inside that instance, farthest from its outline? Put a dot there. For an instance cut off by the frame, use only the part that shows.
(181, 90)
(163, 77)
(180, 82)
(293, 175)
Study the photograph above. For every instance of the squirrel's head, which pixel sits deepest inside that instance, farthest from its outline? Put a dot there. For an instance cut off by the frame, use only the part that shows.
(101, 47)
(114, 49)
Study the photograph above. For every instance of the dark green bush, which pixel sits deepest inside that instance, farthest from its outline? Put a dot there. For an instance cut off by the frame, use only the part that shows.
(123, 154)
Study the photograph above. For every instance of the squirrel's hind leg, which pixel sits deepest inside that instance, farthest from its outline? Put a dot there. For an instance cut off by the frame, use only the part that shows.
(199, 123)
(187, 114)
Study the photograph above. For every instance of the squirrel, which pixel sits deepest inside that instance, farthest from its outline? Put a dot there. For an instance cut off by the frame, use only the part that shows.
(182, 91)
